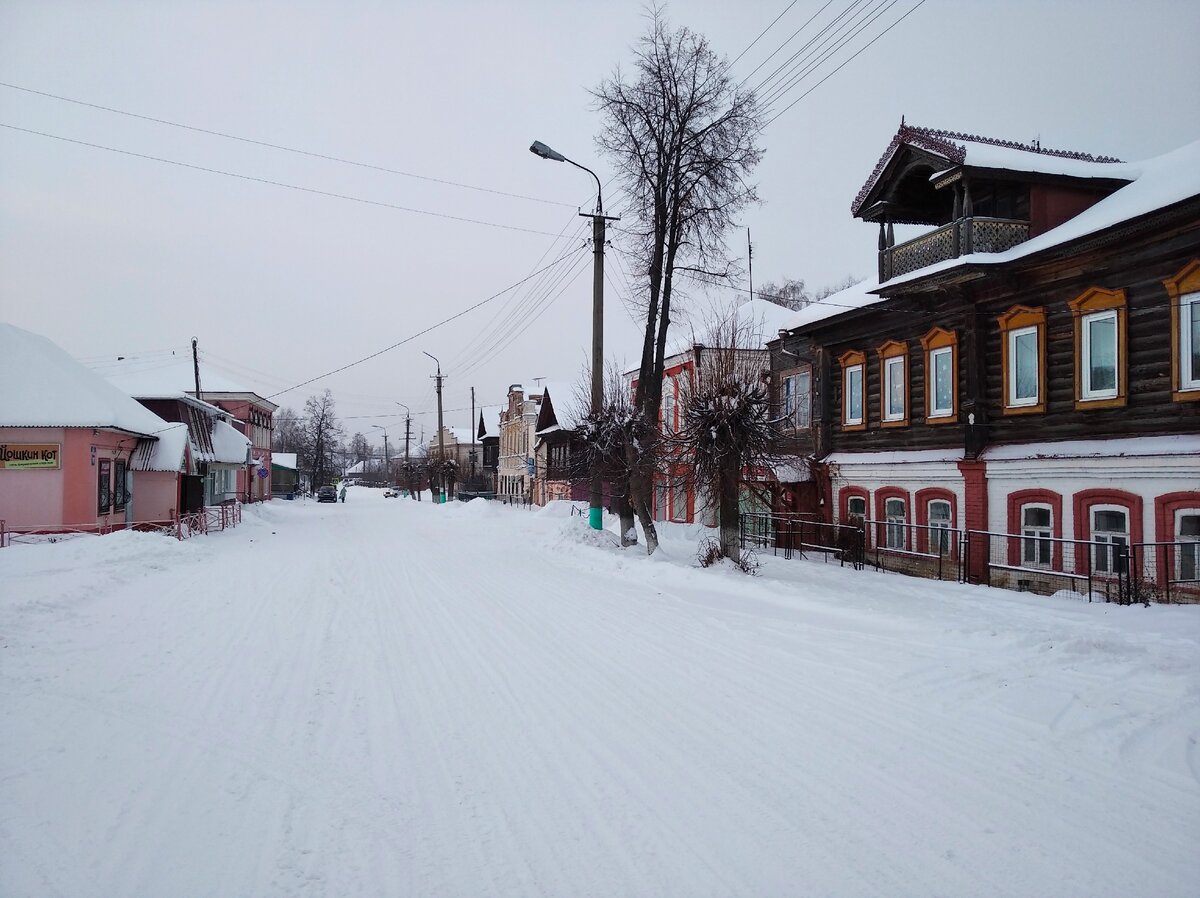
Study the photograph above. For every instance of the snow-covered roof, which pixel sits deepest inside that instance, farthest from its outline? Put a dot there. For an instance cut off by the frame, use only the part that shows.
(975, 151)
(285, 460)
(1157, 183)
(489, 421)
(1130, 447)
(895, 457)
(229, 446)
(567, 410)
(851, 298)
(164, 454)
(158, 377)
(45, 387)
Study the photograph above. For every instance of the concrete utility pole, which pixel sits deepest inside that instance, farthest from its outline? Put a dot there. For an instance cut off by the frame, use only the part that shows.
(441, 435)
(407, 433)
(196, 368)
(599, 222)
(474, 428)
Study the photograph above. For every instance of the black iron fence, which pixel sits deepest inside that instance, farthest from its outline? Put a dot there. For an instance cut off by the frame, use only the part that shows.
(1097, 570)
(808, 535)
(922, 550)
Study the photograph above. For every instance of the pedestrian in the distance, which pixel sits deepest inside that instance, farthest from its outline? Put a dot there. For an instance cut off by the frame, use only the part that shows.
(342, 494)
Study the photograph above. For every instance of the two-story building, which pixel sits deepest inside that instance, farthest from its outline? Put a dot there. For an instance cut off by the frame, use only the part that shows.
(560, 472)
(677, 496)
(515, 463)
(1029, 367)
(487, 432)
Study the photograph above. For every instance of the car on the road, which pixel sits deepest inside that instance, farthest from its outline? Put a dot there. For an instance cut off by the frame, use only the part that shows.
(391, 493)
(326, 494)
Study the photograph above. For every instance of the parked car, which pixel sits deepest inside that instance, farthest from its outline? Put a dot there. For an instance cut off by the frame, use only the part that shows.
(391, 493)
(326, 494)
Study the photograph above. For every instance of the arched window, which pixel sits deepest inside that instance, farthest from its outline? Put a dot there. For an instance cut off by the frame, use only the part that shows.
(1037, 530)
(940, 517)
(895, 513)
(1110, 532)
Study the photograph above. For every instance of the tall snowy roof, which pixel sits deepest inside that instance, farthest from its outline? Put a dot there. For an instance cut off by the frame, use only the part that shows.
(564, 411)
(229, 445)
(164, 454)
(45, 387)
(489, 421)
(976, 151)
(1157, 183)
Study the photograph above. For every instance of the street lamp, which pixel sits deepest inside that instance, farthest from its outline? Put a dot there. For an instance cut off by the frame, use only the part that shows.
(599, 220)
(407, 432)
(387, 462)
(441, 436)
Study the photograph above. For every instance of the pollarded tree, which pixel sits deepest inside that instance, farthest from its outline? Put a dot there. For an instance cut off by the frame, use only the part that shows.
(727, 427)
(320, 438)
(683, 137)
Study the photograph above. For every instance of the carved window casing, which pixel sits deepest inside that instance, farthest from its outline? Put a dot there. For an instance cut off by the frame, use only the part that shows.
(1023, 359)
(1184, 293)
(941, 376)
(1101, 348)
(893, 381)
(854, 391)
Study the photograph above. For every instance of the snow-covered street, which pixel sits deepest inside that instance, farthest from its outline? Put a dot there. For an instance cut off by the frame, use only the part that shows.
(392, 698)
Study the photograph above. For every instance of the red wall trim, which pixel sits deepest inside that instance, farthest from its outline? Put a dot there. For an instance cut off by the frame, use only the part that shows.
(1082, 505)
(893, 492)
(1165, 507)
(921, 507)
(1035, 497)
(844, 496)
(975, 515)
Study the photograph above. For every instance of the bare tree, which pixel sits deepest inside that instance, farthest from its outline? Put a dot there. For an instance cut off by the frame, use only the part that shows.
(320, 438)
(791, 294)
(683, 137)
(727, 425)
(844, 284)
(360, 448)
(287, 436)
(617, 442)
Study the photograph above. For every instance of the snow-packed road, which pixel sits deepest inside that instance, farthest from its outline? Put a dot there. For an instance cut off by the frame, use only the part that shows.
(392, 698)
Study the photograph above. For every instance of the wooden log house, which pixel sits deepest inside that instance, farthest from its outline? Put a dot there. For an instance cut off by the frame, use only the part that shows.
(1030, 366)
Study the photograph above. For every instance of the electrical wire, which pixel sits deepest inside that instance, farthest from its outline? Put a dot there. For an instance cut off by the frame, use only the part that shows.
(419, 333)
(286, 149)
(761, 33)
(793, 36)
(273, 183)
(918, 5)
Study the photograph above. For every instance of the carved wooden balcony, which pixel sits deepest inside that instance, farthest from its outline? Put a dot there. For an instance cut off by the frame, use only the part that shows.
(959, 238)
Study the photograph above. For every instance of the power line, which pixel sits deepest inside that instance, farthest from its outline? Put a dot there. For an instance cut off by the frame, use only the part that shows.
(286, 149)
(919, 4)
(761, 33)
(420, 333)
(857, 27)
(786, 42)
(313, 190)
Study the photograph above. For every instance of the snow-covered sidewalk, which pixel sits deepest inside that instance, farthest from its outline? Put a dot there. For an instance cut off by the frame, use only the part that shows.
(395, 698)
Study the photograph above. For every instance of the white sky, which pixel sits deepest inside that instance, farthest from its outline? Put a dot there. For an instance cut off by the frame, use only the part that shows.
(114, 255)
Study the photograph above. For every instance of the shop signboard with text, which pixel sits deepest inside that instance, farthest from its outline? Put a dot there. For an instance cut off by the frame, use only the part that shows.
(22, 456)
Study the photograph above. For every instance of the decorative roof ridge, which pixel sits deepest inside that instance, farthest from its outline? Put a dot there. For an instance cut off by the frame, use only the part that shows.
(942, 142)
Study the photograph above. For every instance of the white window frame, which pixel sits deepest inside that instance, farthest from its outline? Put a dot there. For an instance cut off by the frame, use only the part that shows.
(793, 408)
(1037, 538)
(668, 405)
(850, 512)
(1189, 545)
(1013, 336)
(939, 533)
(934, 410)
(847, 378)
(890, 366)
(896, 525)
(678, 492)
(1189, 305)
(1085, 350)
(1104, 559)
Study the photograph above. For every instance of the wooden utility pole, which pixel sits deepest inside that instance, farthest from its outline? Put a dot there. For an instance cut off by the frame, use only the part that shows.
(196, 368)
(441, 435)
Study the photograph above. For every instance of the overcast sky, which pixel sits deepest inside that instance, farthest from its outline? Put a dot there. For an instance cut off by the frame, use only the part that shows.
(111, 254)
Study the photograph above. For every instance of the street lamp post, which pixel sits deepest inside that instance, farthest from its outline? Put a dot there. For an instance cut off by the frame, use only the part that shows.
(387, 462)
(441, 435)
(407, 431)
(599, 223)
